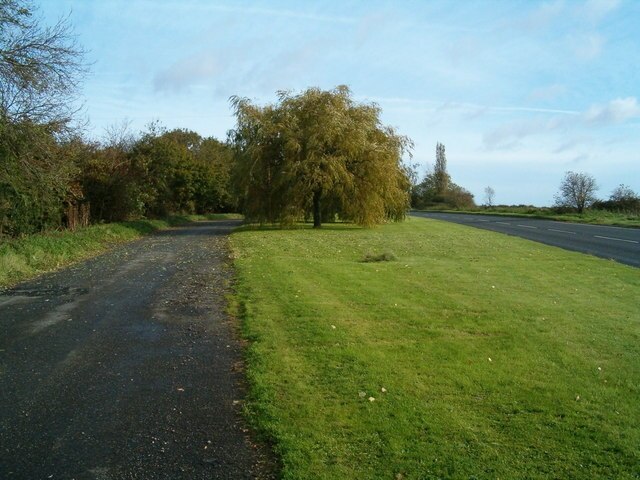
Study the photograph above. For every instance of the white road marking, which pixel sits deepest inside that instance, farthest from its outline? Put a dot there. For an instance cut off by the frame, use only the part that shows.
(561, 231)
(503, 223)
(527, 226)
(483, 220)
(618, 239)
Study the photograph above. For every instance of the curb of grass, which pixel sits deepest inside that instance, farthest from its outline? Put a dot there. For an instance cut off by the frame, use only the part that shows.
(555, 217)
(28, 257)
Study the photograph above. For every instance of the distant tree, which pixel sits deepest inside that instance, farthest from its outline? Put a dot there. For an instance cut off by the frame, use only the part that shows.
(438, 190)
(441, 177)
(319, 154)
(623, 193)
(622, 199)
(459, 197)
(489, 195)
(577, 190)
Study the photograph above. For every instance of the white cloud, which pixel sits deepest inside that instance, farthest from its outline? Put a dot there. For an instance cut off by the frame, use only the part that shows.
(616, 111)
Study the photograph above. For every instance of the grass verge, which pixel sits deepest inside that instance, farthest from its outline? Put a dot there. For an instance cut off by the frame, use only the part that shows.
(473, 355)
(30, 256)
(593, 217)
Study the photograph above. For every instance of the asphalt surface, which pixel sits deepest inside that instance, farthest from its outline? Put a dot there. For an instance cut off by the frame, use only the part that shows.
(127, 367)
(615, 243)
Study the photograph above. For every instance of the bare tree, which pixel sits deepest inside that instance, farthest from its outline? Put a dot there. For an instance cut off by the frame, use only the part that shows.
(489, 195)
(577, 190)
(40, 67)
(623, 193)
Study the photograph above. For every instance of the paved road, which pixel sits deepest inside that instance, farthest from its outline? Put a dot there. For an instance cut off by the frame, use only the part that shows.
(620, 244)
(126, 367)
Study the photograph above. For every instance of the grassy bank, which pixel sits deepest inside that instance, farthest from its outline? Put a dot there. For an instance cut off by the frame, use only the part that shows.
(27, 257)
(594, 217)
(472, 355)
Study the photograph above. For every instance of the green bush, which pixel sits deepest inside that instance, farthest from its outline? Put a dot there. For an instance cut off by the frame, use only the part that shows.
(386, 256)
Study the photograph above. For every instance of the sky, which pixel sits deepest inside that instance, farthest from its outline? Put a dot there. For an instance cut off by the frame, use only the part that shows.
(519, 92)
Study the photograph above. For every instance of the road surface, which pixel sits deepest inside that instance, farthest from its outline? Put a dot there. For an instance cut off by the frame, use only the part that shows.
(616, 243)
(126, 367)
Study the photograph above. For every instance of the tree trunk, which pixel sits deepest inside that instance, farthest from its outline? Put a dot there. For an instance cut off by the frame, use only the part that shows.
(317, 220)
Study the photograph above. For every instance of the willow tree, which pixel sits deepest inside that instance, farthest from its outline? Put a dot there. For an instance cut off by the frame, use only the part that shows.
(319, 154)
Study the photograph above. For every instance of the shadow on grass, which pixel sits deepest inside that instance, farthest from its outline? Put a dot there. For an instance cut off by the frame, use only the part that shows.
(338, 226)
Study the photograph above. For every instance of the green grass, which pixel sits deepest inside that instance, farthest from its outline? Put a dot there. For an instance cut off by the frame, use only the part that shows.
(500, 357)
(594, 217)
(33, 255)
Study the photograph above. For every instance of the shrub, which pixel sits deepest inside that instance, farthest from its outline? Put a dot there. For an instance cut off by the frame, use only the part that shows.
(387, 256)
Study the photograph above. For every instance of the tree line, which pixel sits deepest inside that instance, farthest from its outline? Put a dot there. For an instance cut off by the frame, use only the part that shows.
(49, 182)
(577, 193)
(53, 177)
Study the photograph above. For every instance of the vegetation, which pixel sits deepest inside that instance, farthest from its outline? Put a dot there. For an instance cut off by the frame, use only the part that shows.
(437, 190)
(474, 355)
(622, 199)
(40, 69)
(318, 154)
(577, 190)
(489, 196)
(160, 173)
(622, 209)
(590, 216)
(51, 177)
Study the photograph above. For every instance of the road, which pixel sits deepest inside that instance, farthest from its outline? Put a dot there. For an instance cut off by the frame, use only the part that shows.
(616, 243)
(127, 367)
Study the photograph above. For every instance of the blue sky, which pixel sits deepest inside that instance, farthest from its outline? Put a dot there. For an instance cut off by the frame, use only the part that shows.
(518, 91)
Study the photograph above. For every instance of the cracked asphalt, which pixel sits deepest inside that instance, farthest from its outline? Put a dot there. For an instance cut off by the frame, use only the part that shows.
(126, 366)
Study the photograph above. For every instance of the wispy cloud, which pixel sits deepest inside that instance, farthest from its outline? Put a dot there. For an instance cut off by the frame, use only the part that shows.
(550, 92)
(614, 112)
(544, 15)
(587, 46)
(595, 10)
(465, 106)
(272, 12)
(186, 73)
